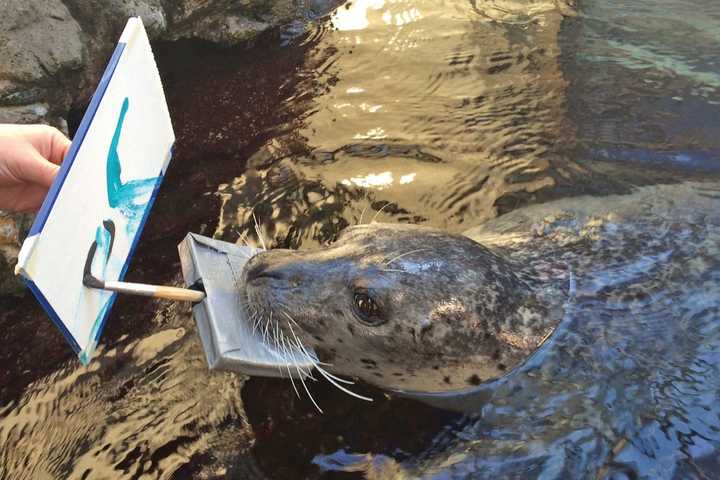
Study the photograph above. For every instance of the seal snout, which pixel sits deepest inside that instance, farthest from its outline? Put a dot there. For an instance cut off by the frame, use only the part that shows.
(279, 268)
(262, 270)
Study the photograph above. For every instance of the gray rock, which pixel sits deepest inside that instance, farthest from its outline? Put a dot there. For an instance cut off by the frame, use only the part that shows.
(33, 113)
(54, 51)
(38, 40)
(40, 46)
(231, 22)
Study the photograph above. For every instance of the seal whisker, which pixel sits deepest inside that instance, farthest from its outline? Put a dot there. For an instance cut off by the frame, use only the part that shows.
(379, 211)
(286, 354)
(276, 339)
(255, 323)
(258, 323)
(406, 254)
(362, 214)
(254, 316)
(301, 350)
(317, 363)
(308, 391)
(312, 358)
(329, 378)
(261, 320)
(298, 349)
(257, 232)
(304, 372)
(341, 380)
(266, 337)
(256, 319)
(243, 239)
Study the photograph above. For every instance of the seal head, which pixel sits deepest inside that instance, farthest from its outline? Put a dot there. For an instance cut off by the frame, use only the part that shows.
(402, 307)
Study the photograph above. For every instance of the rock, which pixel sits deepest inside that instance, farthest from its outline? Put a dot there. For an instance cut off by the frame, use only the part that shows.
(232, 22)
(53, 52)
(40, 45)
(33, 113)
(38, 40)
(230, 29)
(12, 232)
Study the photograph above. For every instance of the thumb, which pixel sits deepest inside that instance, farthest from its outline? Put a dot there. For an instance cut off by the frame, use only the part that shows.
(38, 170)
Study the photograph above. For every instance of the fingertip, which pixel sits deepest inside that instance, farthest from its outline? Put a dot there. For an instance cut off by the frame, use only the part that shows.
(60, 146)
(54, 169)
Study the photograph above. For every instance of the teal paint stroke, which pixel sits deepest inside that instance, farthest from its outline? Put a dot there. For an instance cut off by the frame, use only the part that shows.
(86, 354)
(102, 253)
(104, 242)
(130, 198)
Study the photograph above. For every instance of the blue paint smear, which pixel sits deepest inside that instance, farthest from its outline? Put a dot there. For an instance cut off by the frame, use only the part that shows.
(133, 200)
(143, 220)
(102, 253)
(103, 315)
(105, 312)
(86, 354)
(126, 197)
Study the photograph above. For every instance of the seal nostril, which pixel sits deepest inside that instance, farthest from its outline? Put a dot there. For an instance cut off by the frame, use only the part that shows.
(263, 270)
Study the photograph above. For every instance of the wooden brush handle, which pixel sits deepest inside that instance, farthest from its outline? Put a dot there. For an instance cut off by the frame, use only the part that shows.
(156, 291)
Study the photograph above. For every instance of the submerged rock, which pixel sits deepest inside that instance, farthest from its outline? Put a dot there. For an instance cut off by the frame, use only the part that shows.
(227, 22)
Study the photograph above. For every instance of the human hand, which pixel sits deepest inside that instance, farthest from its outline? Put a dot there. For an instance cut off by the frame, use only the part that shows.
(29, 159)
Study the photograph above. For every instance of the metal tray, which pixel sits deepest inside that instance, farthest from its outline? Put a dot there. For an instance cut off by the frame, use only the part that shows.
(227, 335)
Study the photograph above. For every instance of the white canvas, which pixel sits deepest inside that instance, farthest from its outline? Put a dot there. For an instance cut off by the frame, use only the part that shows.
(102, 194)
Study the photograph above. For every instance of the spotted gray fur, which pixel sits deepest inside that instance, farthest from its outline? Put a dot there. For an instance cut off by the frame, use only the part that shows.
(452, 312)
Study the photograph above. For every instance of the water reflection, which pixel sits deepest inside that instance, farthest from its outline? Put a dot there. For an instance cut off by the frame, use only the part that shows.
(430, 111)
(661, 59)
(144, 408)
(445, 113)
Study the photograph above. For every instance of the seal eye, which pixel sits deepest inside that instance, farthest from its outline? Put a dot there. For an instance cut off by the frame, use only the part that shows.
(367, 309)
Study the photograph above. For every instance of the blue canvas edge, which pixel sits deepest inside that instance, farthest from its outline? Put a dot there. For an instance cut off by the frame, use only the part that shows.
(52, 195)
(146, 214)
(85, 354)
(52, 314)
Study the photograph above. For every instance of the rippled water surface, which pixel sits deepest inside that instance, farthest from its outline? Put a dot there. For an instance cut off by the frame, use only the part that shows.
(580, 137)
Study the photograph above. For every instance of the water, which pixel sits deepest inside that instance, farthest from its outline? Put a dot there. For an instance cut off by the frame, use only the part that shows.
(662, 59)
(445, 113)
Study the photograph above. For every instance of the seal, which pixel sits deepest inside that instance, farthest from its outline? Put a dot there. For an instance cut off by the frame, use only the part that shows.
(402, 307)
